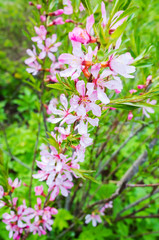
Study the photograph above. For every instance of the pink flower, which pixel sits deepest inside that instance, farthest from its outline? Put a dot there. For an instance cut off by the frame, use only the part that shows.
(147, 110)
(85, 101)
(130, 115)
(32, 54)
(149, 79)
(34, 68)
(14, 184)
(77, 61)
(61, 183)
(43, 18)
(49, 47)
(82, 35)
(1, 192)
(114, 22)
(41, 32)
(38, 190)
(94, 218)
(121, 64)
(81, 7)
(101, 82)
(107, 205)
(68, 10)
(132, 91)
(64, 113)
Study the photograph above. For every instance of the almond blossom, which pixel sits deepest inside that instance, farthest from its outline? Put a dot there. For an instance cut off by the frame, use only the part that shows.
(114, 21)
(85, 101)
(64, 112)
(68, 10)
(41, 32)
(147, 110)
(49, 47)
(32, 54)
(34, 68)
(77, 61)
(83, 35)
(95, 218)
(121, 64)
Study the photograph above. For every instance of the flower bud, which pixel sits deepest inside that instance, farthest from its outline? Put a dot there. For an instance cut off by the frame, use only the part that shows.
(141, 86)
(43, 18)
(38, 6)
(130, 115)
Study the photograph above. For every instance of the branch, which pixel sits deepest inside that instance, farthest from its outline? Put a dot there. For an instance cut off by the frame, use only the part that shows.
(143, 185)
(118, 150)
(127, 177)
(138, 201)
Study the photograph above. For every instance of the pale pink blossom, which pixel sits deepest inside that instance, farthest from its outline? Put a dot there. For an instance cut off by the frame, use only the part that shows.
(147, 110)
(14, 184)
(95, 218)
(85, 101)
(81, 7)
(39, 190)
(49, 47)
(77, 61)
(41, 32)
(34, 68)
(32, 54)
(64, 113)
(148, 79)
(114, 21)
(121, 64)
(1, 192)
(83, 35)
(132, 91)
(68, 9)
(60, 183)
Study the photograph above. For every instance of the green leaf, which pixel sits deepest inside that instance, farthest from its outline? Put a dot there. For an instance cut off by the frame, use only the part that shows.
(61, 219)
(51, 140)
(56, 86)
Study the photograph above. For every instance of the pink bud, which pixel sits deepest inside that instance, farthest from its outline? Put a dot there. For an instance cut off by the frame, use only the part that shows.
(39, 202)
(31, 4)
(38, 6)
(141, 86)
(43, 18)
(57, 21)
(148, 80)
(69, 21)
(130, 115)
(117, 91)
(132, 91)
(57, 12)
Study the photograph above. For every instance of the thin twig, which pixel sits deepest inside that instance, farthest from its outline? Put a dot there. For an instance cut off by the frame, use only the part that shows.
(143, 185)
(118, 150)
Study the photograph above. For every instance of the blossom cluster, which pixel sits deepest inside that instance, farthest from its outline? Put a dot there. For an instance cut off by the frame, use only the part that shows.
(92, 79)
(22, 219)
